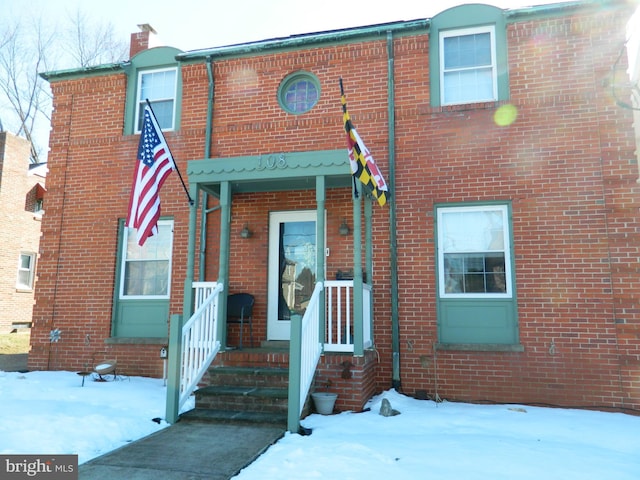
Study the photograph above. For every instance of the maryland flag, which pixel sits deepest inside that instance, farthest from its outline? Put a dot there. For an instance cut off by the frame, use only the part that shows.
(363, 167)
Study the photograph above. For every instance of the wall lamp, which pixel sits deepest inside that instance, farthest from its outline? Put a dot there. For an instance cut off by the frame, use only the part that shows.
(344, 229)
(245, 232)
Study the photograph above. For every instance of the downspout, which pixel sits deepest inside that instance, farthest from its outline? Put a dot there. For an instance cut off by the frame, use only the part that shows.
(205, 196)
(393, 239)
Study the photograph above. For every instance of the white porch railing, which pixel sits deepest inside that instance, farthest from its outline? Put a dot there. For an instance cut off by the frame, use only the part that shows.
(199, 338)
(339, 324)
(304, 353)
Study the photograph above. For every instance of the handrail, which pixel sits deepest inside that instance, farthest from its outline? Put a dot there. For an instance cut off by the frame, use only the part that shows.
(199, 338)
(304, 353)
(339, 313)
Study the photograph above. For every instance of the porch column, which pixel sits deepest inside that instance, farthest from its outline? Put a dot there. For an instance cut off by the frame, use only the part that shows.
(320, 251)
(368, 217)
(358, 349)
(187, 299)
(223, 272)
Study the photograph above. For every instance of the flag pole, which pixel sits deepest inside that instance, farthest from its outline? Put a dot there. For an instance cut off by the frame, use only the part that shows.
(172, 157)
(346, 127)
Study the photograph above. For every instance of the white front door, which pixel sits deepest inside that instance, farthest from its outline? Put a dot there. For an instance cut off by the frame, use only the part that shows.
(292, 268)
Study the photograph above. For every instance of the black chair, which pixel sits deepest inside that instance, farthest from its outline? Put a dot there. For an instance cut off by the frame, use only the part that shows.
(240, 310)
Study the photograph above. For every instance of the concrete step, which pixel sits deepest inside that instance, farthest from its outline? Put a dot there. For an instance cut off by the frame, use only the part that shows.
(235, 417)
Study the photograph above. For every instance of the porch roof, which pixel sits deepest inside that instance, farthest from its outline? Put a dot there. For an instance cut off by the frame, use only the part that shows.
(271, 172)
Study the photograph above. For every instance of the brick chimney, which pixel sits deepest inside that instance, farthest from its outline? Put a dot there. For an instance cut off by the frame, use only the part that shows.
(144, 39)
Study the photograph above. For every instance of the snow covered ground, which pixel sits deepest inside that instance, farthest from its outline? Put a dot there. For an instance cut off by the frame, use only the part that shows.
(51, 412)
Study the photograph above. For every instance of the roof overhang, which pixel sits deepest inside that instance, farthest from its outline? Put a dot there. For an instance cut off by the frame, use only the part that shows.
(271, 172)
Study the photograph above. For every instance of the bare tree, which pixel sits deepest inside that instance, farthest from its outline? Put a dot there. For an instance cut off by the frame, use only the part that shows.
(23, 54)
(91, 43)
(28, 48)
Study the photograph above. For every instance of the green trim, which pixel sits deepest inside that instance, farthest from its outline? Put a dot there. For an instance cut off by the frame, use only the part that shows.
(152, 59)
(475, 347)
(272, 172)
(151, 316)
(469, 16)
(75, 73)
(136, 340)
(311, 40)
(298, 76)
(477, 321)
(174, 365)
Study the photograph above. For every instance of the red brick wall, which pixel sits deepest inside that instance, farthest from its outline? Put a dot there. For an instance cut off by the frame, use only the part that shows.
(19, 229)
(565, 164)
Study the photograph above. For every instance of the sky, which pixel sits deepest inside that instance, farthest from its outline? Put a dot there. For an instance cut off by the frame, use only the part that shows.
(197, 24)
(52, 413)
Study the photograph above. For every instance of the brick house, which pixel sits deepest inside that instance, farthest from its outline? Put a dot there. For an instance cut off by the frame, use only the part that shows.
(503, 267)
(22, 189)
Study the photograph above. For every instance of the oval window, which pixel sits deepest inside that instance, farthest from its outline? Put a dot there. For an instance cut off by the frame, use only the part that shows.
(299, 92)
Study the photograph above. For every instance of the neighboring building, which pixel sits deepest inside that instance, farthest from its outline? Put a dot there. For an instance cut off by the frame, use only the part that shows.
(503, 268)
(22, 188)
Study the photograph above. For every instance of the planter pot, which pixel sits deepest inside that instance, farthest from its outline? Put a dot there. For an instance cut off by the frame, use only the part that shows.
(324, 402)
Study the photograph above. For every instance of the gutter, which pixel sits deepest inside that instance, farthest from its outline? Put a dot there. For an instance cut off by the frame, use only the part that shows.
(393, 238)
(207, 154)
(303, 40)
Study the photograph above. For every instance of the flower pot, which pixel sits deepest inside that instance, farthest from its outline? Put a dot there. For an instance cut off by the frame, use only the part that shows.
(324, 402)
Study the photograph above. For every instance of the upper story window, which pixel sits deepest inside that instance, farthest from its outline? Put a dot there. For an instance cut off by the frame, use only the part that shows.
(146, 271)
(159, 87)
(468, 60)
(299, 92)
(474, 252)
(26, 271)
(468, 66)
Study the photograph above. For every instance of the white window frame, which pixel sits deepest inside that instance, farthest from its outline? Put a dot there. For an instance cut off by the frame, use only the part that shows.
(140, 101)
(445, 245)
(127, 232)
(30, 270)
(494, 71)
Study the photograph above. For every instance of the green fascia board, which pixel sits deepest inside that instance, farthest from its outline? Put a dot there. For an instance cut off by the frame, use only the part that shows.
(75, 73)
(272, 172)
(553, 10)
(295, 42)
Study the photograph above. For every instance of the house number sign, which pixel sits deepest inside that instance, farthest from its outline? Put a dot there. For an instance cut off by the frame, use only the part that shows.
(271, 162)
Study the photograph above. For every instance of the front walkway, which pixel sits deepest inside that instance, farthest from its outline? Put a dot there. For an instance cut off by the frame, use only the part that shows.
(185, 450)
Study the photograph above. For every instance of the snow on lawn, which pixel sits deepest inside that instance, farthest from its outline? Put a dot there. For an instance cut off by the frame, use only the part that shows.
(51, 412)
(457, 441)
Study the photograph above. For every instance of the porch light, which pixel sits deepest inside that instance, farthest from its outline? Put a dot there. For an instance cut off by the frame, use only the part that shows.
(246, 233)
(344, 229)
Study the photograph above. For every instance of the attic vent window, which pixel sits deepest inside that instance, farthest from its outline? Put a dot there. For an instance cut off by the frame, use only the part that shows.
(299, 92)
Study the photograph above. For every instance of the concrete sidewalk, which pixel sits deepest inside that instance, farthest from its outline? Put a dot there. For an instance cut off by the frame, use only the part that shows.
(187, 450)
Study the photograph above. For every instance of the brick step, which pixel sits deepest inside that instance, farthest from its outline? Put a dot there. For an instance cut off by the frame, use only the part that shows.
(249, 377)
(254, 357)
(246, 399)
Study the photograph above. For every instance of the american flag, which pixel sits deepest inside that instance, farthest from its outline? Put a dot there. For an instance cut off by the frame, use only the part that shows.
(153, 166)
(363, 167)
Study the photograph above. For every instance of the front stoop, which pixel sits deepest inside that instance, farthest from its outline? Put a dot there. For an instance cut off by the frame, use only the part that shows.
(244, 386)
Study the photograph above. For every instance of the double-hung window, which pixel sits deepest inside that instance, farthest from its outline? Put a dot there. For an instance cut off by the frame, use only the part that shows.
(474, 252)
(146, 270)
(468, 72)
(160, 88)
(143, 290)
(26, 271)
(476, 293)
